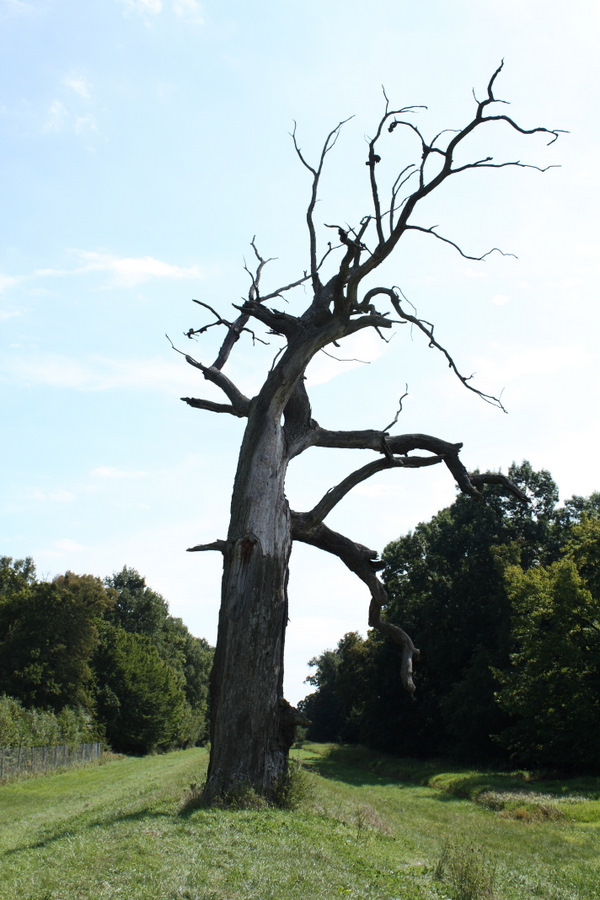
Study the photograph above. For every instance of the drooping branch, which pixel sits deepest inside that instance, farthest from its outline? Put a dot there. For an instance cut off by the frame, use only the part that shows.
(428, 330)
(308, 527)
(363, 562)
(478, 479)
(446, 240)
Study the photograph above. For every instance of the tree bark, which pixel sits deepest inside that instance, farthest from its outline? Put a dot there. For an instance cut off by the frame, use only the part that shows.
(250, 731)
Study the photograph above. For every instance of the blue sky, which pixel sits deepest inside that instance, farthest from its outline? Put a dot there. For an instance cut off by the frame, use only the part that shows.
(145, 142)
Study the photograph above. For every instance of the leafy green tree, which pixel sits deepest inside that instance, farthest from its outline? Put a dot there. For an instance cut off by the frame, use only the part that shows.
(16, 576)
(323, 707)
(552, 687)
(48, 634)
(140, 698)
(137, 609)
(446, 590)
(140, 610)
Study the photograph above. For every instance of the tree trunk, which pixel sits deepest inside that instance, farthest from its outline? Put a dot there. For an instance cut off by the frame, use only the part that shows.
(250, 729)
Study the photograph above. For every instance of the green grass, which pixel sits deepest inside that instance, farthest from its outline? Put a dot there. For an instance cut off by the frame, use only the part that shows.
(117, 831)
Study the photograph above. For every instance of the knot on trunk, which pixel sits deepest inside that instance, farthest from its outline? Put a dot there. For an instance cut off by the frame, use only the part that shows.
(289, 720)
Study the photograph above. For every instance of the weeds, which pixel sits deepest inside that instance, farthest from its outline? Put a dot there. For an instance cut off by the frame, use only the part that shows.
(466, 870)
(367, 821)
(294, 788)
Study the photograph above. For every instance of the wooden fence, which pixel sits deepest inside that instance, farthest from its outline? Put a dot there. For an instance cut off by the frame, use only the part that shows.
(34, 760)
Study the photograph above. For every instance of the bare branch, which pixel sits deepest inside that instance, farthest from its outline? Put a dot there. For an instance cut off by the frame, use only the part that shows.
(509, 486)
(279, 322)
(487, 163)
(316, 173)
(397, 416)
(445, 240)
(374, 158)
(239, 401)
(219, 545)
(254, 293)
(427, 328)
(428, 184)
(197, 403)
(364, 563)
(337, 493)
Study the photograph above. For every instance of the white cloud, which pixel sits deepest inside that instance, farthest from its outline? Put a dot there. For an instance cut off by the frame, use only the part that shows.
(59, 496)
(79, 84)
(112, 472)
(8, 281)
(129, 271)
(358, 350)
(500, 300)
(17, 8)
(95, 374)
(125, 271)
(189, 11)
(143, 7)
(85, 123)
(514, 363)
(63, 545)
(56, 117)
(9, 313)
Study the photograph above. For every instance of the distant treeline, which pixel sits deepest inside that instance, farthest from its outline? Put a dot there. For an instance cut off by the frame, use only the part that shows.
(83, 658)
(503, 600)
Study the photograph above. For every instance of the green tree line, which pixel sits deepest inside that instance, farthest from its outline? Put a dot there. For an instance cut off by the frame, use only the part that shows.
(104, 655)
(503, 600)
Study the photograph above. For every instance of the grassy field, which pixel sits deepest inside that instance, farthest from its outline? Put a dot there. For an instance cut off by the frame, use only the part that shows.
(368, 827)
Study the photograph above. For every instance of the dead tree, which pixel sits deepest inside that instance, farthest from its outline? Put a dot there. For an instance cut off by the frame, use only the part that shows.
(252, 725)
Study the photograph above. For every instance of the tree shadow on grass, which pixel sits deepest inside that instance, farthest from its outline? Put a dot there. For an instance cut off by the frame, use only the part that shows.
(76, 828)
(359, 767)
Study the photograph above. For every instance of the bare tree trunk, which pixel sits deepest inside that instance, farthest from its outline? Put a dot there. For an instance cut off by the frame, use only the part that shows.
(248, 714)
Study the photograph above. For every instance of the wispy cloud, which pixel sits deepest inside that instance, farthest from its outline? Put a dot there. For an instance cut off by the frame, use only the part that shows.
(10, 312)
(79, 84)
(85, 123)
(95, 374)
(56, 117)
(8, 281)
(143, 7)
(125, 271)
(58, 496)
(132, 270)
(189, 11)
(357, 350)
(113, 473)
(62, 545)
(513, 363)
(17, 8)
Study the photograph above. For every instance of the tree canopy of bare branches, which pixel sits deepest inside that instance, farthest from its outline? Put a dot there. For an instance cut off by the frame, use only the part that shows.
(252, 725)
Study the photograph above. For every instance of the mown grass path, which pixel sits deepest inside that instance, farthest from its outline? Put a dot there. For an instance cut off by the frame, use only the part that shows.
(116, 831)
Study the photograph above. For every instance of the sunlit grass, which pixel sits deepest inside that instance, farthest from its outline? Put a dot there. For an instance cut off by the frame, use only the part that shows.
(118, 831)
